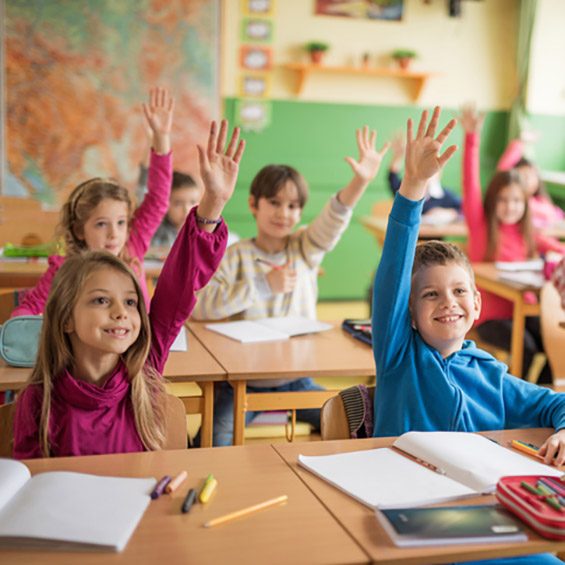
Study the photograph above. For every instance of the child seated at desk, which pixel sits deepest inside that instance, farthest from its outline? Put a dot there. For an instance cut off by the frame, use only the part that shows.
(275, 273)
(429, 377)
(97, 386)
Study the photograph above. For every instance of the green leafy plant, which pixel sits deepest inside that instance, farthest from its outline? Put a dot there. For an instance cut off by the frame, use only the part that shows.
(316, 46)
(404, 54)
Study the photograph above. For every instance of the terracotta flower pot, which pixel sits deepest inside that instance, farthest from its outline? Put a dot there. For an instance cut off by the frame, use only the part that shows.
(404, 63)
(317, 56)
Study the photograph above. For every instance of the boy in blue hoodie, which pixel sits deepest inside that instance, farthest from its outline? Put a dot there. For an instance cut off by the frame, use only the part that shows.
(425, 301)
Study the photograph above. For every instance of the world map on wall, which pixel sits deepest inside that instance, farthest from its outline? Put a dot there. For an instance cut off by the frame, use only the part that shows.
(76, 72)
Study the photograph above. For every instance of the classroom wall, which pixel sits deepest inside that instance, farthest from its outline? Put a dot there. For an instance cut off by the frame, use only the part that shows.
(473, 57)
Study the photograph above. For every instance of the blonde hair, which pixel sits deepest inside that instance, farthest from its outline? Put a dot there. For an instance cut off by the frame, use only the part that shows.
(55, 353)
(499, 182)
(79, 206)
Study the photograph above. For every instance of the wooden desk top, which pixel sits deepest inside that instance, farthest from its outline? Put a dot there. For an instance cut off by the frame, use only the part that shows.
(332, 353)
(361, 523)
(301, 531)
(195, 364)
(488, 273)
(427, 231)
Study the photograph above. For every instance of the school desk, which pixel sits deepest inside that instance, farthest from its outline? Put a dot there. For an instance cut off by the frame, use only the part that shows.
(26, 273)
(487, 277)
(377, 226)
(194, 365)
(332, 353)
(301, 531)
(360, 521)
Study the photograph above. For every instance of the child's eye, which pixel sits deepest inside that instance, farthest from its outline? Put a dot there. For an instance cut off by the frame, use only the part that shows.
(460, 291)
(430, 294)
(100, 224)
(100, 300)
(122, 222)
(131, 302)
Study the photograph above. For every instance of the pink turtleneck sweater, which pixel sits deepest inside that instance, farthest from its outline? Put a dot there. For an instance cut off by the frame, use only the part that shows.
(146, 220)
(87, 419)
(511, 244)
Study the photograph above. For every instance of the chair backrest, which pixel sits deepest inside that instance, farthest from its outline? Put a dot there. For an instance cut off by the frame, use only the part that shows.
(7, 429)
(8, 301)
(346, 412)
(553, 334)
(175, 415)
(382, 208)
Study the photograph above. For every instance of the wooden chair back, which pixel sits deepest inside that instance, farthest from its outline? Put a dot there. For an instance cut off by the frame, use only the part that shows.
(334, 422)
(8, 301)
(382, 208)
(7, 412)
(175, 416)
(553, 333)
(24, 222)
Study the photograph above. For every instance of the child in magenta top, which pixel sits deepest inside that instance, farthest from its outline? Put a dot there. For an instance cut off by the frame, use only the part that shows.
(98, 213)
(96, 387)
(500, 229)
(542, 210)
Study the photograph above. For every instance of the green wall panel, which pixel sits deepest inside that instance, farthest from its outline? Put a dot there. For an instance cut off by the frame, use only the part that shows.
(315, 137)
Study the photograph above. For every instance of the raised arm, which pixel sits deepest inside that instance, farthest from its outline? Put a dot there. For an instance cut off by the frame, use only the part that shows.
(471, 121)
(391, 294)
(148, 217)
(199, 247)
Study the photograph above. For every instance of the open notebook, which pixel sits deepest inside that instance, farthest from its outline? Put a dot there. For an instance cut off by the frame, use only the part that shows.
(466, 464)
(63, 510)
(268, 329)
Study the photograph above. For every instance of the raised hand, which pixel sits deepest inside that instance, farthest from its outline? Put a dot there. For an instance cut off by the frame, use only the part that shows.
(219, 169)
(159, 116)
(422, 154)
(471, 119)
(369, 158)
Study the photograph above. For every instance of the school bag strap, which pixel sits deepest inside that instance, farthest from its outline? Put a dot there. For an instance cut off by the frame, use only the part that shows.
(19, 340)
(359, 411)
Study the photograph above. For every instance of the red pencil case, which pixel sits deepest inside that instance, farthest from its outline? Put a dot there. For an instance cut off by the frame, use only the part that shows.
(531, 508)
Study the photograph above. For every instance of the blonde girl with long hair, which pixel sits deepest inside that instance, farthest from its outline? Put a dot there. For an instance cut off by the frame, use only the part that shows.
(96, 387)
(99, 214)
(500, 229)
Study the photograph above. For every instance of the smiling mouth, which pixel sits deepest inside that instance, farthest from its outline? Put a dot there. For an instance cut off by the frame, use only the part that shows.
(117, 332)
(449, 319)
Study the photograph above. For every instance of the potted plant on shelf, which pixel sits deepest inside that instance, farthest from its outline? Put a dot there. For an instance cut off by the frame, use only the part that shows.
(404, 57)
(317, 50)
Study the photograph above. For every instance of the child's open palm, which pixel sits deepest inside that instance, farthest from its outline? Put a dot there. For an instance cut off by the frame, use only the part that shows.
(471, 119)
(159, 111)
(219, 169)
(370, 159)
(422, 154)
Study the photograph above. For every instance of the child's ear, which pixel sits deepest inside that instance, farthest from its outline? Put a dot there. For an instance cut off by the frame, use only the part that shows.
(69, 327)
(252, 201)
(477, 303)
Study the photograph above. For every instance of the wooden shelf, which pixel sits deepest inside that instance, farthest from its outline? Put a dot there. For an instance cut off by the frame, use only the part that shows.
(305, 70)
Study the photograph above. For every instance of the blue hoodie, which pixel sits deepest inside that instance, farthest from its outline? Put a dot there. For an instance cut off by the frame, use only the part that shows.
(418, 390)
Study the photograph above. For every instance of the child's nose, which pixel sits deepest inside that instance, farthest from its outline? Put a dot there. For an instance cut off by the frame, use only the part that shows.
(119, 312)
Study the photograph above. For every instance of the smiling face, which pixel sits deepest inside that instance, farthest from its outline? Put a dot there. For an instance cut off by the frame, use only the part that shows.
(510, 204)
(277, 215)
(105, 319)
(444, 304)
(106, 228)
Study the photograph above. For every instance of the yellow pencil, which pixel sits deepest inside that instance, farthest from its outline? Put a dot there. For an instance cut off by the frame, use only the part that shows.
(245, 511)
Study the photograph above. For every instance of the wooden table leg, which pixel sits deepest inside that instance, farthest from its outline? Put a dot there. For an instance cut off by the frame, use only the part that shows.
(517, 344)
(207, 428)
(239, 410)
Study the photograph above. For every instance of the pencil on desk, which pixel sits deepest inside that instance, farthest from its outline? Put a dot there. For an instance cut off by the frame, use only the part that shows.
(246, 511)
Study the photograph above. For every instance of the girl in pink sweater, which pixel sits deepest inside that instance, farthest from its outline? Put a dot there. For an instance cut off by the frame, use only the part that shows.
(96, 387)
(542, 210)
(500, 230)
(98, 214)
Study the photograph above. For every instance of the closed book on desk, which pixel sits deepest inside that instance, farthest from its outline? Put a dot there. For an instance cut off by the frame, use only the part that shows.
(466, 465)
(63, 510)
(450, 525)
(268, 329)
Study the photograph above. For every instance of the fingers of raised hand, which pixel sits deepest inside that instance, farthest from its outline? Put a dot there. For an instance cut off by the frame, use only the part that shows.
(222, 136)
(446, 131)
(233, 143)
(430, 132)
(212, 139)
(422, 124)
